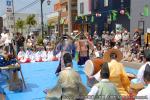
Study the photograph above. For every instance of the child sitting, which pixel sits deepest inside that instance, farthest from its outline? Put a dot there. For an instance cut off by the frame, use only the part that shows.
(41, 54)
(27, 58)
(21, 54)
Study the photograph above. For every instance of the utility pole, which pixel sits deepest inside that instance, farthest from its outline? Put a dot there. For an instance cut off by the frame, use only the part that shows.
(69, 17)
(13, 13)
(59, 18)
(42, 22)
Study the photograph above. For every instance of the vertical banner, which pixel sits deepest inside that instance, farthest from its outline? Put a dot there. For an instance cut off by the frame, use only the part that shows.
(146, 10)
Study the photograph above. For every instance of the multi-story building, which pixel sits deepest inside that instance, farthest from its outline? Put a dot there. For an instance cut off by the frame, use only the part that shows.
(53, 22)
(62, 7)
(138, 18)
(96, 15)
(8, 21)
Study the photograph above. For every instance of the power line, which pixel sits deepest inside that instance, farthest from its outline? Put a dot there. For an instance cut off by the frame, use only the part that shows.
(28, 6)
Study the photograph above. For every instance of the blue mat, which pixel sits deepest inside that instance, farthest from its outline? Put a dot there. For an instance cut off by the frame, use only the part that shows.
(41, 76)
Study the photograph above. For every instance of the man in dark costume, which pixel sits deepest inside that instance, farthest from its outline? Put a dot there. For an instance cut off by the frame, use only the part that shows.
(65, 45)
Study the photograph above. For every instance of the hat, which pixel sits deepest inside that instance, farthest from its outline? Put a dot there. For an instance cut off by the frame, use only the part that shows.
(113, 51)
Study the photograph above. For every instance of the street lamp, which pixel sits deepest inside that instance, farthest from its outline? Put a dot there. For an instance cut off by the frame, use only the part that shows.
(42, 22)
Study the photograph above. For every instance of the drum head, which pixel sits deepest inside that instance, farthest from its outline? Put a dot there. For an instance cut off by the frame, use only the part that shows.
(89, 68)
(131, 76)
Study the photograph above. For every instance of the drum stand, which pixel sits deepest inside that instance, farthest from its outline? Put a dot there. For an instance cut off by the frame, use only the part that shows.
(11, 68)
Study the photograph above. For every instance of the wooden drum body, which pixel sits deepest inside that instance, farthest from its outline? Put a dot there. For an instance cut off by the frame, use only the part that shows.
(93, 66)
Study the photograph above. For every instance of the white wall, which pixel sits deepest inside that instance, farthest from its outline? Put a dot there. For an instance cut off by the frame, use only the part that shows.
(7, 22)
(86, 7)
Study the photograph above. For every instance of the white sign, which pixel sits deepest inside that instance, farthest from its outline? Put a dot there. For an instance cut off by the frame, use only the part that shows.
(8, 6)
(148, 30)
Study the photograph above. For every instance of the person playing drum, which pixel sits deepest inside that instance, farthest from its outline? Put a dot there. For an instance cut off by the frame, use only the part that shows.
(118, 76)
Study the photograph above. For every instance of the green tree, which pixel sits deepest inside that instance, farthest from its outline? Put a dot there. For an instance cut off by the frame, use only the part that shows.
(20, 25)
(30, 21)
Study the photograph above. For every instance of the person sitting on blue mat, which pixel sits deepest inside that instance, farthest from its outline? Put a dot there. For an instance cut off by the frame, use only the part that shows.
(142, 68)
(69, 85)
(104, 90)
(145, 93)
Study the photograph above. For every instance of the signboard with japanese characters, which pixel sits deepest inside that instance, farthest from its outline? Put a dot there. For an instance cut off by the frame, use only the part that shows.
(8, 6)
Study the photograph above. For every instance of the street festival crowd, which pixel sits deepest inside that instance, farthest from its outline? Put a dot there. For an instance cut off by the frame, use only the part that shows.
(100, 57)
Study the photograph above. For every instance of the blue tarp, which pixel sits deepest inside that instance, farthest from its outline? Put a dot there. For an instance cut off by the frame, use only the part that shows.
(41, 76)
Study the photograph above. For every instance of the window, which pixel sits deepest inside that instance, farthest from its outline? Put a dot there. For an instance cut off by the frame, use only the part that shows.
(106, 3)
(12, 26)
(11, 18)
(81, 8)
(96, 4)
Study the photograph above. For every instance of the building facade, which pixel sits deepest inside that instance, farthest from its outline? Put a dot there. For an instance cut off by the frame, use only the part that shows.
(62, 8)
(138, 19)
(8, 21)
(53, 22)
(101, 12)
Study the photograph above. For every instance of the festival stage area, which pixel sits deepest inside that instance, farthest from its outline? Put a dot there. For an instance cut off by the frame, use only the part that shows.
(41, 76)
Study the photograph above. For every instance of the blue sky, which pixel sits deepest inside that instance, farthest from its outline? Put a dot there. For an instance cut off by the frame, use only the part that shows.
(33, 9)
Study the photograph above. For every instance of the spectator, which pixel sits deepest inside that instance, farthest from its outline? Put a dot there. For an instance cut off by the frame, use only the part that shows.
(142, 68)
(145, 93)
(29, 42)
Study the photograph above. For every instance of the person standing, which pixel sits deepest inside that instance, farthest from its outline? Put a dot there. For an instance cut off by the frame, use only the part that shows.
(118, 38)
(29, 42)
(125, 38)
(65, 45)
(82, 47)
(19, 41)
